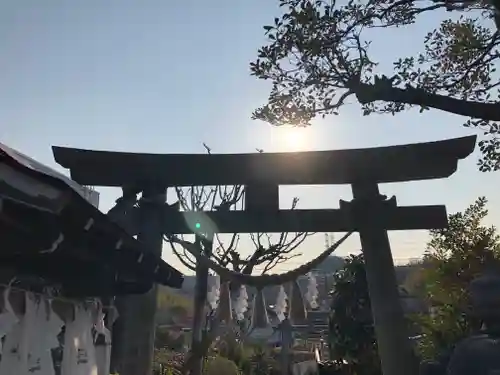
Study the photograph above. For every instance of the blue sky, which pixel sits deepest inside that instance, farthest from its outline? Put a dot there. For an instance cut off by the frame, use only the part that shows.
(164, 76)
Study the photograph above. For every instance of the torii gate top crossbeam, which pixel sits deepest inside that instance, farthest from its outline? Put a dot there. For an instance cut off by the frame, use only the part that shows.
(419, 161)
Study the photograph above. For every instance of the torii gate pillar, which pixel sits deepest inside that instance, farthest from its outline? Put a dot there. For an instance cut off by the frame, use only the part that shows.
(370, 209)
(134, 330)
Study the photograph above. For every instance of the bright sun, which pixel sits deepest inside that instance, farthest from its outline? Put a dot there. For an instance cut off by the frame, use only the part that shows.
(293, 139)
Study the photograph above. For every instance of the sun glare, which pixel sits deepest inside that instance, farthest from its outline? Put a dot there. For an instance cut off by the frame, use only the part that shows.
(290, 139)
(294, 139)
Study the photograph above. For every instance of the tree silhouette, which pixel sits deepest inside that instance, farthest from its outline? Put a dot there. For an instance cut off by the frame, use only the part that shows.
(318, 56)
(455, 256)
(351, 331)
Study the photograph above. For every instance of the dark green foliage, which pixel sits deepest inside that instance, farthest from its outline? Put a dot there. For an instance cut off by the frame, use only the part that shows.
(250, 359)
(263, 363)
(454, 257)
(167, 362)
(351, 332)
(319, 56)
(228, 347)
(164, 339)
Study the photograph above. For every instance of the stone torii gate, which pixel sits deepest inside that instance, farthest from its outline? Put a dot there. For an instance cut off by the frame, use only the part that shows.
(369, 213)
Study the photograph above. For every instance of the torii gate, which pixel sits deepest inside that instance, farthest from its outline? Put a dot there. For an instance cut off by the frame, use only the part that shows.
(369, 213)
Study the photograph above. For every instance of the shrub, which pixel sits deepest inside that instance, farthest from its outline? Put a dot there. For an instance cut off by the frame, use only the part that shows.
(220, 366)
(234, 350)
(164, 339)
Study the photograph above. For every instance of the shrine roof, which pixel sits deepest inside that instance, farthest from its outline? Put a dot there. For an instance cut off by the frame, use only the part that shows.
(50, 230)
(31, 164)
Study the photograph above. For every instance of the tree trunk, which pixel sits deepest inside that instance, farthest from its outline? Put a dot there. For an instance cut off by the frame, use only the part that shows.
(196, 354)
(201, 290)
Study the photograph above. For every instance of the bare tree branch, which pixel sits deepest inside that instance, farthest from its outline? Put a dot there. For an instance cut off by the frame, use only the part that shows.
(184, 259)
(269, 251)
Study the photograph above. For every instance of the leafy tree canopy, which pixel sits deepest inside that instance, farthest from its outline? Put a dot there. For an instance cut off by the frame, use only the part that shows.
(318, 55)
(456, 255)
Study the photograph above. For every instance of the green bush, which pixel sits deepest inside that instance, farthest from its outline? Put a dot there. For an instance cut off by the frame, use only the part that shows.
(220, 366)
(164, 339)
(234, 350)
(455, 256)
(352, 342)
(167, 361)
(262, 362)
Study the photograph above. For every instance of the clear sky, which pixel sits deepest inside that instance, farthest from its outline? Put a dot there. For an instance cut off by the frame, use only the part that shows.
(165, 76)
